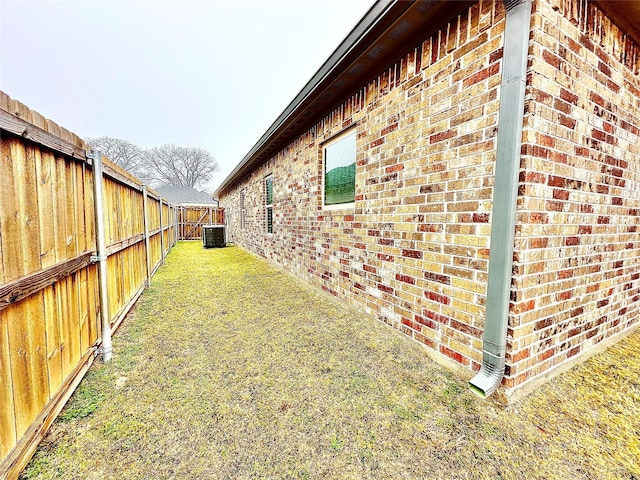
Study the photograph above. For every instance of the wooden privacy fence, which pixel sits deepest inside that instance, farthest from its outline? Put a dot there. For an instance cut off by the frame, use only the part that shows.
(191, 218)
(50, 308)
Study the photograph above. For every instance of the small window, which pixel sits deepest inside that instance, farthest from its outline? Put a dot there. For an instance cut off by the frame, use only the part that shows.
(242, 209)
(340, 170)
(268, 202)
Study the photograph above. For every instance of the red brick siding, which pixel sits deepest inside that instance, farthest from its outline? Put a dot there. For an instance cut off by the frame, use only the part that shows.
(413, 251)
(578, 252)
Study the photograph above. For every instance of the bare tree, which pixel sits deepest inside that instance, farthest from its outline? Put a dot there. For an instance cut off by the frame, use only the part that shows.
(164, 165)
(121, 152)
(172, 165)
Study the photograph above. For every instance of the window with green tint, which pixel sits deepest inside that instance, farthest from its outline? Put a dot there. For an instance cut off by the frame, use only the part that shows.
(268, 202)
(340, 170)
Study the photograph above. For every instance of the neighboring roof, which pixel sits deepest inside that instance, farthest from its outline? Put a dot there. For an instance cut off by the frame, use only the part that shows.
(180, 194)
(388, 27)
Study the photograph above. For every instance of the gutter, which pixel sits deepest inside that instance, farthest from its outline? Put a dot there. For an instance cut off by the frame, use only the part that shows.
(370, 20)
(505, 195)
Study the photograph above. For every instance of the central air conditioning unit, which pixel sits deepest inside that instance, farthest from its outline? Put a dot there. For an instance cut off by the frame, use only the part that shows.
(213, 236)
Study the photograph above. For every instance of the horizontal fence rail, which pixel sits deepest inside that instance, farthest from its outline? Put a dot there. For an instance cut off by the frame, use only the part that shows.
(50, 308)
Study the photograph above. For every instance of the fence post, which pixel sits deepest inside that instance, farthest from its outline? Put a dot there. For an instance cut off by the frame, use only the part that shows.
(176, 231)
(101, 255)
(147, 250)
(172, 217)
(162, 252)
(169, 225)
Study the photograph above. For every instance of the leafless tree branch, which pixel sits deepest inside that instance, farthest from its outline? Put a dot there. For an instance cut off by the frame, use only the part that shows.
(167, 164)
(170, 164)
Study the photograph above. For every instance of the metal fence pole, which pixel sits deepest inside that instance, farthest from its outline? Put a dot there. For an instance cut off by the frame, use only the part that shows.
(101, 255)
(162, 252)
(145, 206)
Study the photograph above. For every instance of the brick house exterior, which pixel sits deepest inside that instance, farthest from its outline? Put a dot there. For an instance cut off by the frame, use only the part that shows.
(421, 83)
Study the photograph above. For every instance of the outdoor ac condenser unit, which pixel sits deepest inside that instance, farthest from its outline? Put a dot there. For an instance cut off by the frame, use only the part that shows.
(213, 236)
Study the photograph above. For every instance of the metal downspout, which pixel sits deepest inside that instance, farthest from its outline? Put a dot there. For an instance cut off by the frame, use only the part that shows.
(101, 255)
(505, 194)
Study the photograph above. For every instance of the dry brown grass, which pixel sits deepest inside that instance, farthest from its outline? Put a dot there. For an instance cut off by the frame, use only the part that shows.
(227, 368)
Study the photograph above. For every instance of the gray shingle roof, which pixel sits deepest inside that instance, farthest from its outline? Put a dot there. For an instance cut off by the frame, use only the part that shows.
(180, 194)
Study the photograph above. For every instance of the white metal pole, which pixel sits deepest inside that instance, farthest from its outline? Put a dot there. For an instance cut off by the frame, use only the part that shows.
(101, 255)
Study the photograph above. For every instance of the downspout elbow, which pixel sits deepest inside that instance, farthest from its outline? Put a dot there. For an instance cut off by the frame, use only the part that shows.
(488, 379)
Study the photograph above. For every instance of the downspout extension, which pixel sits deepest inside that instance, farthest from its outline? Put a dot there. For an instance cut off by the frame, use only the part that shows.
(505, 195)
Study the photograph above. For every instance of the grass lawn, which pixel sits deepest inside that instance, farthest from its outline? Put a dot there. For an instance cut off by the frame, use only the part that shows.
(228, 368)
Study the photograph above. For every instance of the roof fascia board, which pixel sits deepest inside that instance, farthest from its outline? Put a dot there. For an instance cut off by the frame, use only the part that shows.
(369, 21)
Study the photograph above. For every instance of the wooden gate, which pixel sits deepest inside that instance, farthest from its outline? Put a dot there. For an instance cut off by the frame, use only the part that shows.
(191, 218)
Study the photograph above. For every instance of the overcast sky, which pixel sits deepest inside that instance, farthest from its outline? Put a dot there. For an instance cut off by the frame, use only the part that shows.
(213, 74)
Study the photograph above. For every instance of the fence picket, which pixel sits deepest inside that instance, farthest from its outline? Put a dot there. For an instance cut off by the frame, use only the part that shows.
(11, 251)
(60, 217)
(28, 370)
(8, 438)
(45, 207)
(54, 342)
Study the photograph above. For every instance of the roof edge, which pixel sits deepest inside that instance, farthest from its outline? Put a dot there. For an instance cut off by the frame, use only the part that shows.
(351, 41)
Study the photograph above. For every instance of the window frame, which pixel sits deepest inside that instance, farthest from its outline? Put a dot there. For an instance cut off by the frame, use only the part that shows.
(326, 144)
(268, 207)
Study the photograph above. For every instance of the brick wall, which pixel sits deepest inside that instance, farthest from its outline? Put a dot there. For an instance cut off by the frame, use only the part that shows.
(414, 251)
(576, 277)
